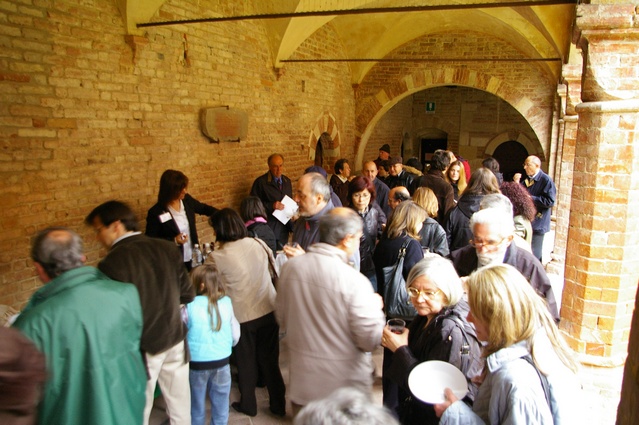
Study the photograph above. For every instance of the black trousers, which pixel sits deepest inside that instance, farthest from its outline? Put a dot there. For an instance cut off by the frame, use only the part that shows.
(259, 345)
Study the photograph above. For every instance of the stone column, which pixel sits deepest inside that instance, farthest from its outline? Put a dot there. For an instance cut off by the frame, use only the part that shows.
(602, 261)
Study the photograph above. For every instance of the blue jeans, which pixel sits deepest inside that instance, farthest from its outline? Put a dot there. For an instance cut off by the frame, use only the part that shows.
(217, 384)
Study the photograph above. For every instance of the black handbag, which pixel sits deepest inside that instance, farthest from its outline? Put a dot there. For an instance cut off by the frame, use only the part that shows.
(396, 300)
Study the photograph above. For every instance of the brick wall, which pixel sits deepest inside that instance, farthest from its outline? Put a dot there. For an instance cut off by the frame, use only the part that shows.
(83, 121)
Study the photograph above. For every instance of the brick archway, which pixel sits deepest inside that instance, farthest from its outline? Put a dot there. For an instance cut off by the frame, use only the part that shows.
(325, 124)
(374, 107)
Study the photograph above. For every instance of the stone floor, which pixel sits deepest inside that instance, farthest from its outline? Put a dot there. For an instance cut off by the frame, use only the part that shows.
(600, 386)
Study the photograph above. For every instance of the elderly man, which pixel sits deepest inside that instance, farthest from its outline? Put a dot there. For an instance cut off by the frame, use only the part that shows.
(400, 177)
(313, 196)
(543, 192)
(396, 196)
(381, 189)
(493, 232)
(156, 268)
(434, 179)
(330, 313)
(271, 189)
(88, 327)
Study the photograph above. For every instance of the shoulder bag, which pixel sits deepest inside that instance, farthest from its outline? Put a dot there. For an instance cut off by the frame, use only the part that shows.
(396, 300)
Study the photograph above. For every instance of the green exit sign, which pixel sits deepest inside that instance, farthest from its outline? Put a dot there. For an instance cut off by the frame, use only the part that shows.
(430, 107)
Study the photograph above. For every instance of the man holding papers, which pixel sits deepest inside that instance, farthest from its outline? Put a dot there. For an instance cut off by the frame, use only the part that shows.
(272, 188)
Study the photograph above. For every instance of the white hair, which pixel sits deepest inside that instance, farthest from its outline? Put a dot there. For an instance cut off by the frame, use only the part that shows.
(499, 221)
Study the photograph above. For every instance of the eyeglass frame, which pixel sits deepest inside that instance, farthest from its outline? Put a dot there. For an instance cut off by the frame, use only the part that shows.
(476, 245)
(430, 295)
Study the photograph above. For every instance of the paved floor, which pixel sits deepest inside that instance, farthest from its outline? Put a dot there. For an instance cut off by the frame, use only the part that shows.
(600, 386)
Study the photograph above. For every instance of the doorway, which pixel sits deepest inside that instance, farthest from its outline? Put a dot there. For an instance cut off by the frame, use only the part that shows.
(511, 156)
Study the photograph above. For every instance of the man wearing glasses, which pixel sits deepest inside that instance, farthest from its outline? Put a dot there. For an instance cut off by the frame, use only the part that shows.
(493, 232)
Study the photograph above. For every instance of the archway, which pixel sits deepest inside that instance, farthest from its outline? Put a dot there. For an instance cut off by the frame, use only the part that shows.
(510, 155)
(374, 107)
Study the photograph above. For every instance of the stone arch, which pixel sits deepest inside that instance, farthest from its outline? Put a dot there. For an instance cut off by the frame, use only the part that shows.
(515, 136)
(325, 124)
(377, 105)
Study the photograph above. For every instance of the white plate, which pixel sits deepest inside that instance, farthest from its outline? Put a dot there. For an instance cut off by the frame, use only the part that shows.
(428, 380)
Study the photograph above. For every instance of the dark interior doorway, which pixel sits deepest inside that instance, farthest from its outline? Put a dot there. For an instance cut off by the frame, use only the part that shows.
(428, 147)
(511, 156)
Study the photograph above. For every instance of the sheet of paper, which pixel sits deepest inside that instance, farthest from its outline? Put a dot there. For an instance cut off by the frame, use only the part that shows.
(290, 208)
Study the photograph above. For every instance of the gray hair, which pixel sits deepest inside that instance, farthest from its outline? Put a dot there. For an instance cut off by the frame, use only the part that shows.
(335, 225)
(345, 406)
(57, 250)
(496, 200)
(319, 185)
(441, 272)
(497, 219)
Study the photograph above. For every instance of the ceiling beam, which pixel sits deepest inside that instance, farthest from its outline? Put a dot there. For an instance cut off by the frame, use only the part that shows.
(364, 11)
(427, 60)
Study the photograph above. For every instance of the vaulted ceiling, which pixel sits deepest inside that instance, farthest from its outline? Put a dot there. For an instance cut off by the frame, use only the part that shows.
(540, 30)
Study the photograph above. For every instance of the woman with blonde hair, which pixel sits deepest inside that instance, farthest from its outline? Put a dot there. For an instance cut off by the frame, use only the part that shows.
(401, 235)
(456, 176)
(433, 236)
(529, 375)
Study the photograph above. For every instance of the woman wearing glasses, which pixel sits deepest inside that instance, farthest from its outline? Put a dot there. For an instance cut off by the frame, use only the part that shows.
(439, 332)
(361, 197)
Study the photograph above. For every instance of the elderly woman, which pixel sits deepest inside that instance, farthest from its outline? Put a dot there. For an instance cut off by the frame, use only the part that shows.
(402, 233)
(361, 194)
(529, 376)
(439, 332)
(243, 263)
(433, 236)
(173, 216)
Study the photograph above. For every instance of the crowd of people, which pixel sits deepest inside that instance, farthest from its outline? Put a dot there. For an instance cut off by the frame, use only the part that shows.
(455, 255)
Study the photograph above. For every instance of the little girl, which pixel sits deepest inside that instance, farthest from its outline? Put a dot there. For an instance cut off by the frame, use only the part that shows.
(213, 331)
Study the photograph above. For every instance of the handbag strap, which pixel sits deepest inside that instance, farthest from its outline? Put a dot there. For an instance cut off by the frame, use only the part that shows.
(272, 268)
(542, 378)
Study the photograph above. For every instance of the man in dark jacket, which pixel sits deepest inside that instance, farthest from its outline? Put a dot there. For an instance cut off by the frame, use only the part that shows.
(400, 177)
(271, 188)
(543, 192)
(493, 233)
(434, 179)
(155, 267)
(381, 189)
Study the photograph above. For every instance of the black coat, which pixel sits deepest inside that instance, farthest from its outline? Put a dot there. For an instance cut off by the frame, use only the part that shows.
(387, 252)
(374, 218)
(264, 232)
(440, 340)
(406, 179)
(168, 230)
(465, 262)
(266, 188)
(457, 222)
(433, 237)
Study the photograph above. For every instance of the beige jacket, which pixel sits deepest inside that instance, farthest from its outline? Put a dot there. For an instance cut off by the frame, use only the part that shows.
(243, 265)
(332, 319)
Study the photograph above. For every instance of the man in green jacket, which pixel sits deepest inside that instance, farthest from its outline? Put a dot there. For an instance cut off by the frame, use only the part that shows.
(88, 327)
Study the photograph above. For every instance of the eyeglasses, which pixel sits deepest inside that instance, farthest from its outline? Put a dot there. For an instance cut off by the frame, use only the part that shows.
(488, 245)
(415, 293)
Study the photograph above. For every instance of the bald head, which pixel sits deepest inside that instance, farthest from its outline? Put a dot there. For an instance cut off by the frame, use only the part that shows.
(397, 195)
(369, 170)
(57, 250)
(532, 165)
